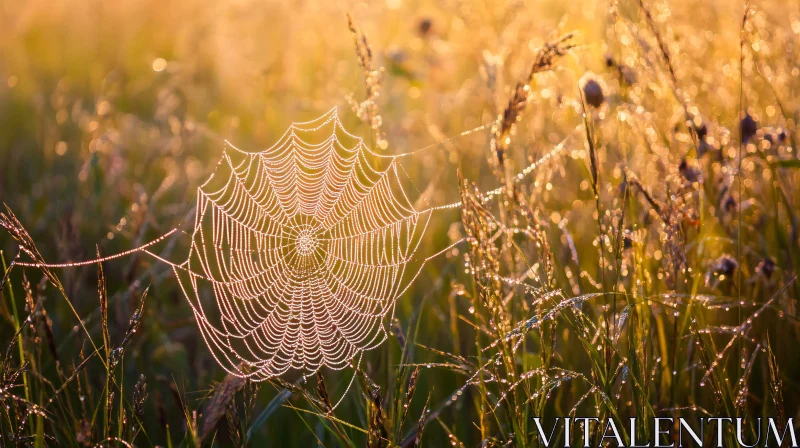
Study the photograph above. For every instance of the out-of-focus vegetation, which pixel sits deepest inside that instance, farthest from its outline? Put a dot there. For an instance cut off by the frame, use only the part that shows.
(644, 268)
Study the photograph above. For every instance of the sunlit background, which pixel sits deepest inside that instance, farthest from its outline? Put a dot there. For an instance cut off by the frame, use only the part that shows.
(113, 113)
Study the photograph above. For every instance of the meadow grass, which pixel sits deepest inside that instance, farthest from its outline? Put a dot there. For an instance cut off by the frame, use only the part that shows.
(627, 176)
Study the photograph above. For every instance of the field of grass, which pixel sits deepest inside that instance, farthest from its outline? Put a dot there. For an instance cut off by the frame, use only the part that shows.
(627, 237)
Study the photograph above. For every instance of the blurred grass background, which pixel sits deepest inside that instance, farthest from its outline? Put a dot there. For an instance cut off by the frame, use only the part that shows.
(111, 115)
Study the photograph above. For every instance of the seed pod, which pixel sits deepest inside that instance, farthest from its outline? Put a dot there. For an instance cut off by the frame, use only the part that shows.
(592, 91)
(766, 267)
(689, 172)
(725, 265)
(748, 126)
(610, 60)
(424, 26)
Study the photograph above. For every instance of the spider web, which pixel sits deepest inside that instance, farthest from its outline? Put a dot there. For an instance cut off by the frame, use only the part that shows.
(306, 246)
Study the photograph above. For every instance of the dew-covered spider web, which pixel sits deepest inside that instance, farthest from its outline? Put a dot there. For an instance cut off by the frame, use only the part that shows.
(299, 252)
(307, 245)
